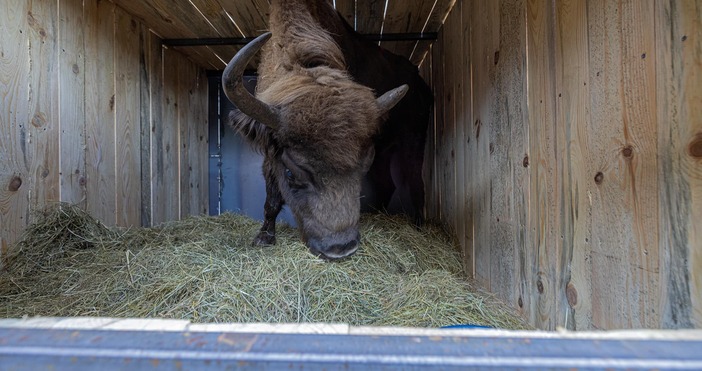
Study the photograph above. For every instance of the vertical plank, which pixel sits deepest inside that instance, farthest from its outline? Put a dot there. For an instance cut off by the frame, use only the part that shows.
(438, 80)
(14, 91)
(43, 133)
(679, 87)
(624, 149)
(369, 16)
(145, 49)
(100, 110)
(452, 49)
(186, 87)
(199, 202)
(71, 75)
(576, 172)
(466, 239)
(484, 43)
(507, 149)
(165, 146)
(405, 16)
(347, 9)
(542, 257)
(127, 121)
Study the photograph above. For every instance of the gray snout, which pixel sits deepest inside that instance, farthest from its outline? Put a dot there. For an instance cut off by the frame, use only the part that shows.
(335, 248)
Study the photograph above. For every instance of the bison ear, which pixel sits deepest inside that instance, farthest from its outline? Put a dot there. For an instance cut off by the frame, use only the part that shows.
(388, 100)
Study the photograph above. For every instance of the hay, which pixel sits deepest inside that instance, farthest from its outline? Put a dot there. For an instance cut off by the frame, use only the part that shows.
(204, 269)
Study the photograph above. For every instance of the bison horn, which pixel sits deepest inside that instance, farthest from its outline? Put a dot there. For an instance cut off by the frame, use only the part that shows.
(236, 92)
(388, 100)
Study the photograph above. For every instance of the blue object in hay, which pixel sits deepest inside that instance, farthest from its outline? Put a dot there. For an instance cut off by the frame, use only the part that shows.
(465, 326)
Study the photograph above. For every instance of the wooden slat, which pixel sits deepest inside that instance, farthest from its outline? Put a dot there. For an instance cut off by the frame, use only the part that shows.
(251, 16)
(128, 123)
(100, 110)
(679, 93)
(14, 91)
(438, 81)
(217, 17)
(405, 16)
(186, 85)
(369, 16)
(71, 74)
(624, 132)
(165, 181)
(573, 301)
(466, 236)
(43, 105)
(198, 203)
(484, 43)
(541, 257)
(145, 48)
(347, 8)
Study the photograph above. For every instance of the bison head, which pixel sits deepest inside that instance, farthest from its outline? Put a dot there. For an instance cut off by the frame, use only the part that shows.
(318, 126)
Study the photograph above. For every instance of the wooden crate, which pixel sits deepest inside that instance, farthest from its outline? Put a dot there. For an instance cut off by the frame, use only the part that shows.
(565, 153)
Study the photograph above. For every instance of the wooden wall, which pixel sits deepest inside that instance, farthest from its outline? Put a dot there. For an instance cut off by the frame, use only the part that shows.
(567, 156)
(94, 112)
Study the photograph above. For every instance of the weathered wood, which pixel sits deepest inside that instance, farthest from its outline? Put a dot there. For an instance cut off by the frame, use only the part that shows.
(574, 305)
(145, 48)
(369, 16)
(100, 110)
(42, 182)
(14, 91)
(405, 16)
(187, 86)
(465, 234)
(250, 16)
(679, 93)
(484, 43)
(624, 132)
(218, 18)
(347, 8)
(438, 85)
(127, 121)
(71, 75)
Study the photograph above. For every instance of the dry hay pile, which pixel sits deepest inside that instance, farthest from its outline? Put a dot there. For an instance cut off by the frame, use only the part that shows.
(204, 269)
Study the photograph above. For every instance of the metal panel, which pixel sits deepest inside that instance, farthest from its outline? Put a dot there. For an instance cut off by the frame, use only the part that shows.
(36, 349)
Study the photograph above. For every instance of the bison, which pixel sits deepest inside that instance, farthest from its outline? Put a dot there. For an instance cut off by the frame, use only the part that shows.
(319, 125)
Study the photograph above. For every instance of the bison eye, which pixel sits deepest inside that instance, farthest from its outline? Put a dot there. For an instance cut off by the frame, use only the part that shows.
(289, 175)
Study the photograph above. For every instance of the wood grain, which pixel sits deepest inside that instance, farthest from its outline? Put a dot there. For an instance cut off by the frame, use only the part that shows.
(71, 75)
(679, 91)
(127, 121)
(14, 91)
(100, 110)
(43, 105)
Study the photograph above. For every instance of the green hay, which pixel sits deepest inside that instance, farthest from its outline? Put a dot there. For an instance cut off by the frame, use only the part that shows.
(204, 269)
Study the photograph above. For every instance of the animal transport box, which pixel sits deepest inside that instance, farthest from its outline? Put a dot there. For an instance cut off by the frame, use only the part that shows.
(564, 156)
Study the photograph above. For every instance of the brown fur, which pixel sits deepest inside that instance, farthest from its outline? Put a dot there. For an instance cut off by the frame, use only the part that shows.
(323, 147)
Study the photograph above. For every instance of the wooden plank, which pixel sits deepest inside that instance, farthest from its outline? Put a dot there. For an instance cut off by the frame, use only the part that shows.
(451, 55)
(466, 238)
(624, 148)
(217, 17)
(251, 16)
(165, 183)
(405, 16)
(128, 125)
(71, 74)
(573, 295)
(43, 147)
(198, 149)
(14, 91)
(170, 19)
(347, 9)
(369, 16)
(145, 48)
(186, 86)
(484, 43)
(100, 110)
(436, 19)
(679, 86)
(438, 81)
(542, 256)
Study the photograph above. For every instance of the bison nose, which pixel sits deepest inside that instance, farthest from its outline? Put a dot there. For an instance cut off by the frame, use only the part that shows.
(334, 250)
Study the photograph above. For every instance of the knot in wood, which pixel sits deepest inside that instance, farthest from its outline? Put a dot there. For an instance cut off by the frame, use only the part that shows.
(571, 294)
(628, 151)
(599, 177)
(15, 184)
(695, 147)
(540, 286)
(525, 162)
